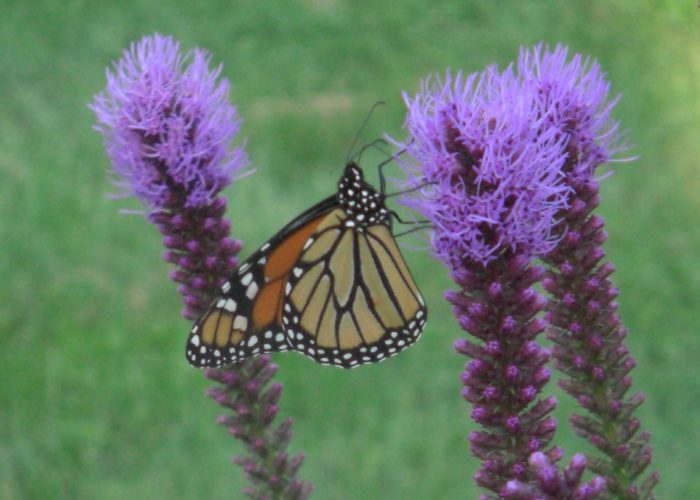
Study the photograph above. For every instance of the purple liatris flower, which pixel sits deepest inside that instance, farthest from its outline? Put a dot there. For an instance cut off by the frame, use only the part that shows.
(168, 125)
(492, 188)
(586, 328)
(168, 128)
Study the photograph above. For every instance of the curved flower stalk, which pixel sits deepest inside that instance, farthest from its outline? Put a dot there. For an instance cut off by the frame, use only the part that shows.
(586, 329)
(492, 191)
(168, 127)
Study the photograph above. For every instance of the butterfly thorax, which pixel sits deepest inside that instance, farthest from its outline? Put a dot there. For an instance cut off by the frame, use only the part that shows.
(363, 204)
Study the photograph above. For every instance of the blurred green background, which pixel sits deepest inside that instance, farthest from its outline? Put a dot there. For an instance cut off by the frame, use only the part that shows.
(96, 399)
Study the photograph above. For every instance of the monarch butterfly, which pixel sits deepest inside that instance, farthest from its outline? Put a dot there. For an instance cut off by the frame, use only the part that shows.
(332, 284)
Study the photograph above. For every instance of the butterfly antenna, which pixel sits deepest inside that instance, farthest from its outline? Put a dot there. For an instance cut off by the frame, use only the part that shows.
(396, 216)
(373, 144)
(413, 230)
(410, 190)
(357, 136)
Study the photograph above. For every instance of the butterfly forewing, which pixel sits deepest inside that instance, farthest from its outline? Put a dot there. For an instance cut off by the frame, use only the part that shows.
(351, 299)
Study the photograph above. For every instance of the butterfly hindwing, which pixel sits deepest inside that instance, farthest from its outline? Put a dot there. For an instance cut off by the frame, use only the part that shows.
(351, 299)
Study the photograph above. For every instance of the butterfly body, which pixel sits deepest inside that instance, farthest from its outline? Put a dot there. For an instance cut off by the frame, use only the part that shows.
(331, 284)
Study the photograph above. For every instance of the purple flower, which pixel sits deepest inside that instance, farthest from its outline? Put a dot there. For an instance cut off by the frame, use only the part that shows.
(493, 167)
(586, 329)
(491, 172)
(572, 96)
(168, 126)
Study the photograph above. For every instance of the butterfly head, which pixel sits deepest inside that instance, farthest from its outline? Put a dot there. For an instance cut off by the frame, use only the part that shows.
(363, 204)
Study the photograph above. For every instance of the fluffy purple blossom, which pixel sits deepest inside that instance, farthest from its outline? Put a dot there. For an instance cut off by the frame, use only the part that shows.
(573, 97)
(586, 329)
(491, 166)
(168, 125)
(502, 164)
(491, 171)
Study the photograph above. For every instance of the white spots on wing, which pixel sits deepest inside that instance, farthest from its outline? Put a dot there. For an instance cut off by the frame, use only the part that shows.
(229, 305)
(240, 323)
(252, 290)
(195, 340)
(308, 243)
(252, 341)
(220, 303)
(279, 337)
(262, 260)
(288, 288)
(245, 280)
(268, 334)
(226, 287)
(243, 268)
(264, 247)
(297, 271)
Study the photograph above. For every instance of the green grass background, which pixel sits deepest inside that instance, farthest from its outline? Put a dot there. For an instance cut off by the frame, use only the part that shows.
(96, 400)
